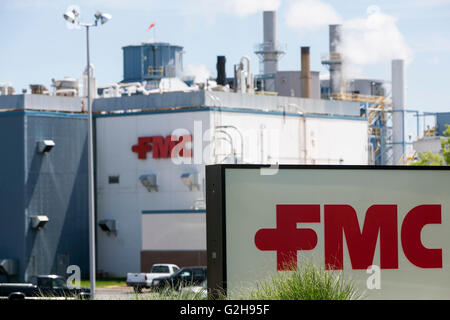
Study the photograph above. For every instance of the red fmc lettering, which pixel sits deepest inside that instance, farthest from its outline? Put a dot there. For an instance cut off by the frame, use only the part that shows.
(162, 147)
(342, 220)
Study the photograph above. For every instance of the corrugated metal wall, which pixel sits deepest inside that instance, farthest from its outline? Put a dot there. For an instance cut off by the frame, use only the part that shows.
(12, 219)
(138, 59)
(52, 184)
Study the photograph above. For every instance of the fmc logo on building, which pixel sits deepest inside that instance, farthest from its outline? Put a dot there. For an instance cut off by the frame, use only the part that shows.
(286, 239)
(163, 147)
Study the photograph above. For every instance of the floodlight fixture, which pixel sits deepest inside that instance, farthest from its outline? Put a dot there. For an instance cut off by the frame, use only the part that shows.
(45, 146)
(72, 14)
(191, 180)
(9, 267)
(149, 181)
(108, 225)
(38, 222)
(103, 17)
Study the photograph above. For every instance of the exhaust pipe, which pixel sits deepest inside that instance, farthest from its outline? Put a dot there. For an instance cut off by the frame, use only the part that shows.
(221, 73)
(305, 73)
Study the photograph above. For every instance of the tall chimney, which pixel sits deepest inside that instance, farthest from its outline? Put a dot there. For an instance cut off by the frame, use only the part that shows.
(221, 72)
(336, 79)
(306, 73)
(399, 103)
(270, 41)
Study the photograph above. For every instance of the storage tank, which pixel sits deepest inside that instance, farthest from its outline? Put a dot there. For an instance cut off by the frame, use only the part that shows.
(151, 60)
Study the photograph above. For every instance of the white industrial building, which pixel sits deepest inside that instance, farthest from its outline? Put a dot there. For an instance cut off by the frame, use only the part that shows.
(154, 207)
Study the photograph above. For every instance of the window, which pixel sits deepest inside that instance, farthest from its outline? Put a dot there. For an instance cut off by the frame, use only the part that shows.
(160, 269)
(199, 274)
(59, 283)
(186, 275)
(114, 179)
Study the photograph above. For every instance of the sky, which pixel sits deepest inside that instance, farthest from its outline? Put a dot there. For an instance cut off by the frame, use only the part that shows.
(37, 45)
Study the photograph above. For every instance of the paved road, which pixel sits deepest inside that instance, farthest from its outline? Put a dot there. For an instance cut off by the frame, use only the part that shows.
(121, 293)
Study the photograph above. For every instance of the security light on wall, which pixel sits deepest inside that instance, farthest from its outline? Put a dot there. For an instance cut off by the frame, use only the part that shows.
(38, 222)
(108, 225)
(191, 180)
(149, 182)
(45, 146)
(9, 267)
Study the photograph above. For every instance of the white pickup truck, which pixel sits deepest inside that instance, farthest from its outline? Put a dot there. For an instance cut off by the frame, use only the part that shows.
(144, 280)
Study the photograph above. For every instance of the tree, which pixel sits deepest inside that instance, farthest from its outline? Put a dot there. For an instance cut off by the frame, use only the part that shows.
(428, 159)
(432, 159)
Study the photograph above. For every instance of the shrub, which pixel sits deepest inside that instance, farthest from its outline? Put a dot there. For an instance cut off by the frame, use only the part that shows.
(308, 282)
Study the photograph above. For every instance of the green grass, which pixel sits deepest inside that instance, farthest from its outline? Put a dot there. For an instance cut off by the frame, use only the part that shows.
(309, 282)
(104, 282)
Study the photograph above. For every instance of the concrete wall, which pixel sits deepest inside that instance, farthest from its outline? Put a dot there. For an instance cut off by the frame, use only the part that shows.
(288, 84)
(144, 219)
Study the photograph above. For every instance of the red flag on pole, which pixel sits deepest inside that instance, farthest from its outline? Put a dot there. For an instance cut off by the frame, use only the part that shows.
(151, 26)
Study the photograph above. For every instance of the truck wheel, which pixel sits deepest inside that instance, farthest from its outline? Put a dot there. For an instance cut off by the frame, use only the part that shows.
(137, 289)
(16, 296)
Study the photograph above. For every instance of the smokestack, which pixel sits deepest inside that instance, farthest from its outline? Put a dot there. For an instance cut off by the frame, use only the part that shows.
(270, 28)
(399, 103)
(270, 58)
(221, 73)
(306, 72)
(269, 51)
(336, 79)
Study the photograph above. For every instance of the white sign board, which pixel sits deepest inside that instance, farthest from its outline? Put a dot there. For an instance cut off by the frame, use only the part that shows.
(358, 219)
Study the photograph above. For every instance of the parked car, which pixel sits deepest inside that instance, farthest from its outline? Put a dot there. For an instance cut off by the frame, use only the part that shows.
(188, 276)
(144, 280)
(46, 286)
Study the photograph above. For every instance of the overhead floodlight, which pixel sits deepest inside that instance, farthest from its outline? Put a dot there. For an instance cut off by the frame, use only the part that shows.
(103, 17)
(190, 180)
(108, 225)
(45, 146)
(38, 222)
(149, 182)
(72, 14)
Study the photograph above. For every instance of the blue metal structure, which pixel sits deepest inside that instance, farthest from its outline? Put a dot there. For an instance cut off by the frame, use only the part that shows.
(52, 184)
(151, 61)
(442, 119)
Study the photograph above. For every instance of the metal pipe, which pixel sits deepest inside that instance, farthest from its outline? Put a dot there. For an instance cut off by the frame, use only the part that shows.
(92, 267)
(221, 72)
(305, 73)
(399, 103)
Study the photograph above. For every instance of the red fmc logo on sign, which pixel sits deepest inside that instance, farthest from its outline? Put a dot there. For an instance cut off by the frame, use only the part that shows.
(286, 239)
(163, 148)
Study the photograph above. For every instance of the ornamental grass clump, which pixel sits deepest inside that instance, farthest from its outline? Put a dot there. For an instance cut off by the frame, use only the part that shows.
(308, 282)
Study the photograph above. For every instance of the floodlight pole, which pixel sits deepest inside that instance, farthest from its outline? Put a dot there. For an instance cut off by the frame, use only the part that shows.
(73, 18)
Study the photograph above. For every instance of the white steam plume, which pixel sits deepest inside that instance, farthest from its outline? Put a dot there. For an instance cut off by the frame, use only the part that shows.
(308, 15)
(200, 72)
(374, 39)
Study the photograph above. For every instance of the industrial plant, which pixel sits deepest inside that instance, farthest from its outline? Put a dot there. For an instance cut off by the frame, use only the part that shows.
(155, 130)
